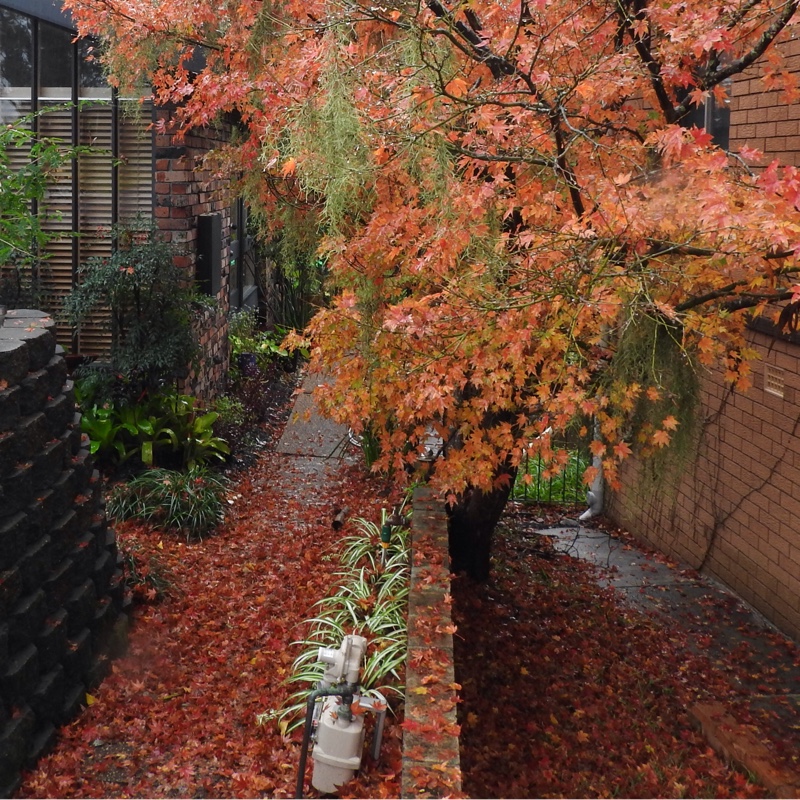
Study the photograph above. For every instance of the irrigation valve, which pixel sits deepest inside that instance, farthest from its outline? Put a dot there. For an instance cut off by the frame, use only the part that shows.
(339, 735)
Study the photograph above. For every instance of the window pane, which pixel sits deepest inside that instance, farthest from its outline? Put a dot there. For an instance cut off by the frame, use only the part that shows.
(90, 70)
(16, 50)
(56, 53)
(16, 65)
(135, 171)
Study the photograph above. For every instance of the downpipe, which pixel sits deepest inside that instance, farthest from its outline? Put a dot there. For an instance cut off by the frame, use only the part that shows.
(594, 497)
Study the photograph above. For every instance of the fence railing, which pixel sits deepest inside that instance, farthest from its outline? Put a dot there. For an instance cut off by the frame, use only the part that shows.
(565, 487)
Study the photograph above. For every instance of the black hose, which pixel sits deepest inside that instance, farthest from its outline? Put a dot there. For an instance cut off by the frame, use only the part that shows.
(340, 689)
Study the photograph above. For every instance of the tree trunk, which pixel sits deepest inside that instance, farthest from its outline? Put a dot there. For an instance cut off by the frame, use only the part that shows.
(472, 521)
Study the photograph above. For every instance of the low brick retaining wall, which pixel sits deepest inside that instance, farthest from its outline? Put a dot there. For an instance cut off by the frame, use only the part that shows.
(431, 763)
(61, 583)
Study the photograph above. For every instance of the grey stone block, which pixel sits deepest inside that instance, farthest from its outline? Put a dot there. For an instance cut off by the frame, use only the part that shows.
(36, 563)
(10, 590)
(21, 675)
(104, 567)
(58, 411)
(40, 343)
(41, 743)
(15, 739)
(78, 657)
(35, 389)
(9, 407)
(80, 606)
(48, 464)
(9, 452)
(74, 699)
(14, 361)
(64, 532)
(32, 433)
(51, 643)
(18, 488)
(4, 656)
(47, 698)
(13, 539)
(60, 582)
(83, 556)
(57, 374)
(26, 619)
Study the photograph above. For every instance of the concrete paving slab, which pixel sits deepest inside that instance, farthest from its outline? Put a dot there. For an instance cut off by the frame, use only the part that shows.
(309, 434)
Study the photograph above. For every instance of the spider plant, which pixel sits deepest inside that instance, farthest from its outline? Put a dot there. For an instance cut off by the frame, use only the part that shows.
(370, 598)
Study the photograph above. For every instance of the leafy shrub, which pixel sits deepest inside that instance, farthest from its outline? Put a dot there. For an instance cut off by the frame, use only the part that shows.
(149, 578)
(165, 429)
(245, 338)
(150, 305)
(191, 502)
(23, 235)
(370, 599)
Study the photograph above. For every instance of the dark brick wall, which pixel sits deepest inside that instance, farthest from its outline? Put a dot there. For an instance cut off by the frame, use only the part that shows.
(763, 119)
(185, 189)
(62, 591)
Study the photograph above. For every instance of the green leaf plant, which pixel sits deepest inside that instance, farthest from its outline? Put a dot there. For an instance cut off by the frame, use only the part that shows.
(370, 598)
(191, 502)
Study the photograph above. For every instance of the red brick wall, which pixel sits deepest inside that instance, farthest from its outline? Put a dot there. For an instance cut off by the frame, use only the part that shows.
(762, 119)
(736, 511)
(183, 191)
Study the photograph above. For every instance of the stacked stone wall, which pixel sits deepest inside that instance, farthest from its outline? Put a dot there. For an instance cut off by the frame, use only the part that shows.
(62, 589)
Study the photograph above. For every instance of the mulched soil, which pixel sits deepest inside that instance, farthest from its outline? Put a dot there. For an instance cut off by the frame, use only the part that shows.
(569, 693)
(177, 715)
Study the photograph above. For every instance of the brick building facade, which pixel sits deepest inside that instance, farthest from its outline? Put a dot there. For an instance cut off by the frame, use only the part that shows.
(762, 119)
(183, 194)
(734, 512)
(130, 172)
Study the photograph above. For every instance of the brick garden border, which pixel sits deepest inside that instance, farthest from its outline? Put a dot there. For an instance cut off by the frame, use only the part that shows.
(431, 762)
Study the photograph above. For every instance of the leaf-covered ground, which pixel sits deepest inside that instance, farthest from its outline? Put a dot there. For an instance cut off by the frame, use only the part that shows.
(568, 693)
(177, 715)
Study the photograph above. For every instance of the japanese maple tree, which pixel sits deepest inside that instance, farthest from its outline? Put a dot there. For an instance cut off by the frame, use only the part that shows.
(510, 199)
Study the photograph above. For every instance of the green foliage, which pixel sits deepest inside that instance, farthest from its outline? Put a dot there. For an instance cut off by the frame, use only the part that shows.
(370, 599)
(539, 486)
(160, 429)
(650, 353)
(150, 307)
(148, 576)
(191, 502)
(23, 234)
(369, 442)
(109, 435)
(245, 337)
(338, 167)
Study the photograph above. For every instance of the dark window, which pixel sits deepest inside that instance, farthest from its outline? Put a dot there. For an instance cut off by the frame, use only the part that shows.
(714, 117)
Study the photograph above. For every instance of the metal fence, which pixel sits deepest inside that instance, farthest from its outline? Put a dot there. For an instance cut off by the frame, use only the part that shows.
(566, 487)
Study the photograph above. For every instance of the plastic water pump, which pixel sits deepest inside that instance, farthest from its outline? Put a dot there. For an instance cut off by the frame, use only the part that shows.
(335, 719)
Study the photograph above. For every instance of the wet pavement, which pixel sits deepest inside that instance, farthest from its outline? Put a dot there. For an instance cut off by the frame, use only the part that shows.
(309, 434)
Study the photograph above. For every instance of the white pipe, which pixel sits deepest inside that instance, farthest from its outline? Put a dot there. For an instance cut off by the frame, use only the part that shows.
(594, 497)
